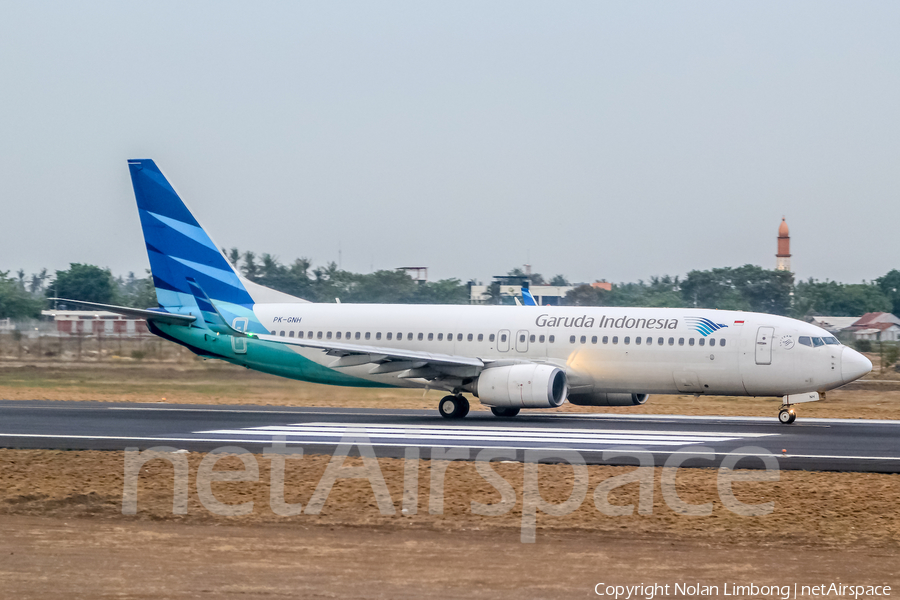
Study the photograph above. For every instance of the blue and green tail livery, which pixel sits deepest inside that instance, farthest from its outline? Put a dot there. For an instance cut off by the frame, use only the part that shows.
(180, 251)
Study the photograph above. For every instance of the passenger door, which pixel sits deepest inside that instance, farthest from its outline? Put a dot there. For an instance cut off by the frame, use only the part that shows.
(764, 345)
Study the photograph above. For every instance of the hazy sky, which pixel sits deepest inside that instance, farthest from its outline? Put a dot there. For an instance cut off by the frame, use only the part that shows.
(595, 139)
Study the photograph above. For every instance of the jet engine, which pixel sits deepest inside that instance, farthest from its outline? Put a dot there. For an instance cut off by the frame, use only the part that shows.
(527, 385)
(606, 399)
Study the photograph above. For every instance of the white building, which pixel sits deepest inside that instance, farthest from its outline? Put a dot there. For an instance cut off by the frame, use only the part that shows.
(95, 322)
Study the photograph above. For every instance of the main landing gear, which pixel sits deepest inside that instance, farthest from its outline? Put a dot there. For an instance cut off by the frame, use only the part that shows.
(453, 407)
(787, 415)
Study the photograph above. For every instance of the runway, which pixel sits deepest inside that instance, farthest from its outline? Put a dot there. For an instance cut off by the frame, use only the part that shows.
(809, 444)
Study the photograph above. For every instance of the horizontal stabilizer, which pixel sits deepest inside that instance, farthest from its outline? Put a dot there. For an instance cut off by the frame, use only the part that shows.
(139, 313)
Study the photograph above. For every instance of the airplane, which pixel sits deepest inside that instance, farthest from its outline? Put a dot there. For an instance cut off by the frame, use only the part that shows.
(509, 357)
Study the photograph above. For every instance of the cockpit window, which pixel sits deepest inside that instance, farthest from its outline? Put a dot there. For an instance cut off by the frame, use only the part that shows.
(817, 341)
(832, 341)
(804, 339)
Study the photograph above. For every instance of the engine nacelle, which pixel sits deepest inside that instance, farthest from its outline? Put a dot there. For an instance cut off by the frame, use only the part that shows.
(605, 399)
(523, 386)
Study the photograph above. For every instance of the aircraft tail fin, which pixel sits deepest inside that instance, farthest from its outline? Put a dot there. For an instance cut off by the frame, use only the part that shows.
(178, 247)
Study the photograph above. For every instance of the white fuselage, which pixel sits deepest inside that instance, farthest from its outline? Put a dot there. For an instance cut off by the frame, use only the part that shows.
(605, 349)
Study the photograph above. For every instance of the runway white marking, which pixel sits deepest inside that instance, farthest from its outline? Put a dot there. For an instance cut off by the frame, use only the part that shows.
(502, 435)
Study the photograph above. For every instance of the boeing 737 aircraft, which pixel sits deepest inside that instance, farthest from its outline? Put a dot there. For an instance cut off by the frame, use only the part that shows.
(510, 357)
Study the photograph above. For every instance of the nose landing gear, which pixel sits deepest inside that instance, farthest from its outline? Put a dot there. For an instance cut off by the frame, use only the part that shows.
(786, 415)
(453, 407)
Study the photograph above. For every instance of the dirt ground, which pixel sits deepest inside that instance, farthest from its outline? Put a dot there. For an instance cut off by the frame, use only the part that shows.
(214, 382)
(63, 532)
(89, 559)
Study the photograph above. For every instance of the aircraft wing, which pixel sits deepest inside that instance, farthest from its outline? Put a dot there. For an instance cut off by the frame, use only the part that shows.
(150, 315)
(427, 365)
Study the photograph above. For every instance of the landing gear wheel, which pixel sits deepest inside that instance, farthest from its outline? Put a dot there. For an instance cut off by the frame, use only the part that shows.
(786, 416)
(504, 411)
(453, 407)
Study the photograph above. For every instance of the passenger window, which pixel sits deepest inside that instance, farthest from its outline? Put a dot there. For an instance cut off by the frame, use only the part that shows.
(309, 336)
(481, 337)
(290, 333)
(357, 335)
(440, 337)
(281, 334)
(531, 339)
(660, 341)
(605, 339)
(572, 339)
(583, 339)
(551, 339)
(691, 342)
(378, 336)
(615, 339)
(368, 335)
(328, 335)
(627, 340)
(805, 340)
(389, 335)
(681, 341)
(702, 341)
(458, 337)
(299, 334)
(649, 341)
(637, 340)
(541, 339)
(503, 337)
(409, 336)
(671, 341)
(712, 342)
(319, 335)
(430, 337)
(273, 333)
(470, 337)
(594, 339)
(721, 342)
(420, 337)
(491, 338)
(817, 342)
(338, 335)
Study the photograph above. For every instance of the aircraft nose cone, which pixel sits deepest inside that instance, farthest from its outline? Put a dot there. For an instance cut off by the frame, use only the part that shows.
(853, 365)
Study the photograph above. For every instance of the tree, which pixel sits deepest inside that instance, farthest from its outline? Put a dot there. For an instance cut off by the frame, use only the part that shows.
(559, 280)
(84, 282)
(136, 292)
(585, 295)
(15, 302)
(889, 285)
(748, 287)
(835, 299)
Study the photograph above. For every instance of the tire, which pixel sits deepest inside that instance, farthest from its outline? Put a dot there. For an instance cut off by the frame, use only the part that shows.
(786, 417)
(504, 411)
(793, 418)
(462, 407)
(453, 407)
